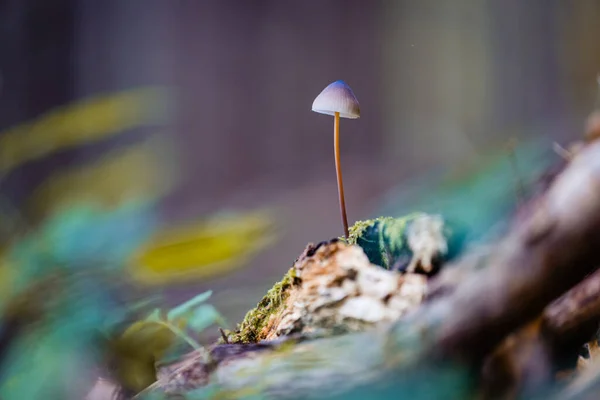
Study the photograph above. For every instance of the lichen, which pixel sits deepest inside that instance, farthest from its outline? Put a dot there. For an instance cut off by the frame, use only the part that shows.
(249, 330)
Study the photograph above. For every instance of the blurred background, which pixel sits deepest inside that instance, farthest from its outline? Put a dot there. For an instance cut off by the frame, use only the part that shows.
(199, 114)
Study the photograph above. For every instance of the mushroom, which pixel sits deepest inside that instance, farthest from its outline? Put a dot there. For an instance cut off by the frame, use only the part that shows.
(338, 100)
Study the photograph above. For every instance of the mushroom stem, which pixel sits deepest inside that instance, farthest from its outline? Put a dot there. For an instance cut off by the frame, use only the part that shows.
(338, 170)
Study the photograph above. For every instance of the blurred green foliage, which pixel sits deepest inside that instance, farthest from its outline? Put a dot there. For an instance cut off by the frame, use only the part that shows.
(64, 310)
(478, 199)
(157, 339)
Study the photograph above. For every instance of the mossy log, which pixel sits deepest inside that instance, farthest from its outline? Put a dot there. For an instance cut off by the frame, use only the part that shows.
(332, 289)
(252, 329)
(330, 274)
(433, 351)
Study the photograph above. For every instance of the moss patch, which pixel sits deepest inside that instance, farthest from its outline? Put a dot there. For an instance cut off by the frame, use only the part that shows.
(249, 331)
(359, 229)
(382, 239)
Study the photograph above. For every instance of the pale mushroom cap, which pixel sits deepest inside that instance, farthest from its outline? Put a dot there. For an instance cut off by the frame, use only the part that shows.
(337, 97)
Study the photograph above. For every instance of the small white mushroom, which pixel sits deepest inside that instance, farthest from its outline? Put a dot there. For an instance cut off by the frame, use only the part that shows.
(338, 100)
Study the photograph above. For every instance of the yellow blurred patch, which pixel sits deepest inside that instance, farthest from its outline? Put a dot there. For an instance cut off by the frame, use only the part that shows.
(212, 247)
(81, 122)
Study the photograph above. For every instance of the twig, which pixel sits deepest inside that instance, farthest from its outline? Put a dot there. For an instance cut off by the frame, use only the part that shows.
(224, 335)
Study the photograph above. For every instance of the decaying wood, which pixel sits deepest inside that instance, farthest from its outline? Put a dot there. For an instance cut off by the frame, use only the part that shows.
(540, 259)
(341, 291)
(521, 365)
(331, 289)
(535, 355)
(544, 255)
(575, 317)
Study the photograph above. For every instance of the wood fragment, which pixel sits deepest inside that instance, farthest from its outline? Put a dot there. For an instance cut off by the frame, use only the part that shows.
(548, 348)
(574, 318)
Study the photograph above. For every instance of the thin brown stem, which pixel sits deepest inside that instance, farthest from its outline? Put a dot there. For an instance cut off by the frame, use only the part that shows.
(338, 170)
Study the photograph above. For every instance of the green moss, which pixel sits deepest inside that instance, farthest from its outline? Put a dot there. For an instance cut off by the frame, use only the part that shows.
(360, 228)
(257, 318)
(382, 239)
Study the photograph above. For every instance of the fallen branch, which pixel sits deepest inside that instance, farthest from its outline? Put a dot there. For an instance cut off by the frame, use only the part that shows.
(531, 358)
(574, 318)
(545, 255)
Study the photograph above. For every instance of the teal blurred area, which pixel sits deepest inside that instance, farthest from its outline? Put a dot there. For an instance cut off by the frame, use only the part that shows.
(82, 237)
(480, 199)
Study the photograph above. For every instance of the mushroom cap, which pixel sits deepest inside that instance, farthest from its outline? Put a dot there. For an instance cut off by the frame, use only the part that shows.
(337, 97)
